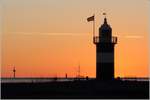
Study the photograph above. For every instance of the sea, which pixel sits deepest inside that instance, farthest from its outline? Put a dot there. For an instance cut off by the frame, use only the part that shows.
(43, 80)
(37, 80)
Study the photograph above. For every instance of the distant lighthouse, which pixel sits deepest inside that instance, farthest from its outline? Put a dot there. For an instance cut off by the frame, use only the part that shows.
(105, 44)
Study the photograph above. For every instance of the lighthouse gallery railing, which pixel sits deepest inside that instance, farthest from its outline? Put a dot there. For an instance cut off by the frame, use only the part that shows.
(98, 39)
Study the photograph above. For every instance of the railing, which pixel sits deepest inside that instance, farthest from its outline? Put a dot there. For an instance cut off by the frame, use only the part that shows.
(98, 39)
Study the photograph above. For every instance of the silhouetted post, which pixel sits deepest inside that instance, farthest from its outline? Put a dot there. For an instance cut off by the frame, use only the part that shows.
(79, 71)
(87, 78)
(66, 76)
(105, 44)
(55, 78)
(14, 71)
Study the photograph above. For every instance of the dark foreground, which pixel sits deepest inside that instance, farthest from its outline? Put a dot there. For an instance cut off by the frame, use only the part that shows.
(76, 89)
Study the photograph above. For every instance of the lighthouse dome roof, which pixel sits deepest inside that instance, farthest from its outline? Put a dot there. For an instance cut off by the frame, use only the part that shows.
(105, 26)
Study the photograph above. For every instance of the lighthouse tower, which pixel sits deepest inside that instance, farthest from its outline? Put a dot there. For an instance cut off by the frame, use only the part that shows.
(105, 44)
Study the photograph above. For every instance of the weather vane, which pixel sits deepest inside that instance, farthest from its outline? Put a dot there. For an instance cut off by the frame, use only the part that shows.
(104, 14)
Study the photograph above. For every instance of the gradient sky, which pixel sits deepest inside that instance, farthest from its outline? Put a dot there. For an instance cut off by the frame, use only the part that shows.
(43, 38)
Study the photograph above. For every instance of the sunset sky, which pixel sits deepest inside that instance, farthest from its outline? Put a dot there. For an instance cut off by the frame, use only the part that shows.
(45, 38)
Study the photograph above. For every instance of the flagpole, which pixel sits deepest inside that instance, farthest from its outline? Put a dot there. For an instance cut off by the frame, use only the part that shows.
(92, 18)
(94, 26)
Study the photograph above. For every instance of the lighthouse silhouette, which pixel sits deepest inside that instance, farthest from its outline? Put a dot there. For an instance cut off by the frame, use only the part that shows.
(105, 44)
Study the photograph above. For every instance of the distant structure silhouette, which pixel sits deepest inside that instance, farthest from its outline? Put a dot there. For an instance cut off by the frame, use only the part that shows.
(66, 76)
(14, 72)
(105, 44)
(79, 71)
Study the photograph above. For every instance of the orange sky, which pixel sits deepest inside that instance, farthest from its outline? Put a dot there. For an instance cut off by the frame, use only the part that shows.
(43, 38)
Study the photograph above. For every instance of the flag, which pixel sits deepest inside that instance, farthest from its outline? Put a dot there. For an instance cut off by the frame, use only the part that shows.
(90, 18)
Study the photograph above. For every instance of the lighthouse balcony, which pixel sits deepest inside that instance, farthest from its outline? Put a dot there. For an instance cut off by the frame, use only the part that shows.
(97, 40)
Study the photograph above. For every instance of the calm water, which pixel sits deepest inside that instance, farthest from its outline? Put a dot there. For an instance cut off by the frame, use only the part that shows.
(35, 80)
(42, 80)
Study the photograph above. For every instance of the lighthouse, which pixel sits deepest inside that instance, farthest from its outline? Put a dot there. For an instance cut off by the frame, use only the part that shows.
(105, 45)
